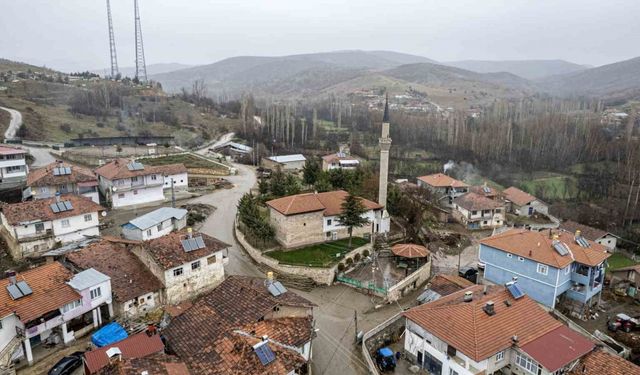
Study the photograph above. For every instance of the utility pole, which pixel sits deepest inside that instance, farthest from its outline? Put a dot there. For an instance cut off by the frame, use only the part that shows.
(112, 44)
(355, 320)
(173, 195)
(141, 67)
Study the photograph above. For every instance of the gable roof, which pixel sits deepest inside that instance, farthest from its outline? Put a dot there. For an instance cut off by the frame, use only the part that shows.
(87, 278)
(599, 362)
(156, 217)
(329, 202)
(214, 346)
(4, 150)
(40, 209)
(136, 346)
(45, 176)
(447, 284)
(465, 326)
(339, 156)
(567, 345)
(587, 232)
(474, 202)
(538, 246)
(287, 158)
(168, 252)
(118, 168)
(50, 292)
(440, 180)
(129, 277)
(485, 190)
(154, 364)
(518, 196)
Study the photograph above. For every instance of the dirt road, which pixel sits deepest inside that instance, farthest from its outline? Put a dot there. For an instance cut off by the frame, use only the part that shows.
(14, 124)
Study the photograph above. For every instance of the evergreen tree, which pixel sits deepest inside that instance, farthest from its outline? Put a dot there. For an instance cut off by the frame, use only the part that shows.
(352, 214)
(322, 183)
(311, 171)
(278, 183)
(291, 185)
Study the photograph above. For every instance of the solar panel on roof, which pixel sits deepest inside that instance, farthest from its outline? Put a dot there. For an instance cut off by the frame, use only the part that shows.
(199, 242)
(486, 189)
(67, 170)
(54, 208)
(24, 288)
(56, 171)
(135, 166)
(276, 288)
(264, 353)
(582, 241)
(515, 291)
(14, 292)
(67, 205)
(280, 287)
(186, 245)
(560, 247)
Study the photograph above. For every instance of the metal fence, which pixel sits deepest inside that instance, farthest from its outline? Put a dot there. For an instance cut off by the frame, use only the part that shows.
(359, 284)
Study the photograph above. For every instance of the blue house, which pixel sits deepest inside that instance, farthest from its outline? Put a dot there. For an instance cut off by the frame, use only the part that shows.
(549, 265)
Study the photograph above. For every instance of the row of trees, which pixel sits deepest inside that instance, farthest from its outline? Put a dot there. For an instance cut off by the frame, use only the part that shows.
(249, 215)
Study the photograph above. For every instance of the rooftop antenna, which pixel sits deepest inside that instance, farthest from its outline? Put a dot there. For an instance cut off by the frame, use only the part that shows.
(141, 67)
(112, 44)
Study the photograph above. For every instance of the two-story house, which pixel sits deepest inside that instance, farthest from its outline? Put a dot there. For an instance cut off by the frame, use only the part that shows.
(64, 178)
(177, 173)
(31, 228)
(478, 212)
(604, 238)
(49, 304)
(548, 265)
(308, 218)
(445, 188)
(13, 167)
(522, 203)
(186, 263)
(339, 160)
(155, 224)
(490, 330)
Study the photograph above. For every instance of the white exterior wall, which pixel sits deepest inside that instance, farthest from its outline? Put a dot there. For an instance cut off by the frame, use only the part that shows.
(19, 161)
(168, 226)
(134, 197)
(146, 302)
(608, 241)
(193, 282)
(335, 222)
(495, 220)
(8, 330)
(78, 228)
(180, 181)
(293, 165)
(536, 205)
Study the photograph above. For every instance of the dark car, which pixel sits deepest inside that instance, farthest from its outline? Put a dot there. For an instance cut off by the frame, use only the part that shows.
(469, 273)
(67, 365)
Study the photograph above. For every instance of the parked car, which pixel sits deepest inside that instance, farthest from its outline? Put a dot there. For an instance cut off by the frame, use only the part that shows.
(624, 322)
(67, 365)
(469, 273)
(385, 359)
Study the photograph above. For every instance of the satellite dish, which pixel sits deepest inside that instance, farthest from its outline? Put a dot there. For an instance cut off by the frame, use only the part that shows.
(104, 213)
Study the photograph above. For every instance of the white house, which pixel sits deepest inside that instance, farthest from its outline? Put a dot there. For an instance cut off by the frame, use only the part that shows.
(285, 162)
(61, 177)
(34, 227)
(40, 306)
(155, 224)
(445, 188)
(177, 173)
(339, 160)
(13, 167)
(478, 212)
(604, 238)
(522, 203)
(186, 264)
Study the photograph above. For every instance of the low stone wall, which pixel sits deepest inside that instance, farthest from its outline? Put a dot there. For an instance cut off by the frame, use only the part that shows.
(374, 339)
(419, 276)
(322, 276)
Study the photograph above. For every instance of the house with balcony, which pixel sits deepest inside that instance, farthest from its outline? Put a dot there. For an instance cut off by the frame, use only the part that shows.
(490, 330)
(550, 266)
(155, 224)
(186, 263)
(445, 188)
(339, 160)
(49, 304)
(64, 178)
(33, 227)
(476, 211)
(13, 167)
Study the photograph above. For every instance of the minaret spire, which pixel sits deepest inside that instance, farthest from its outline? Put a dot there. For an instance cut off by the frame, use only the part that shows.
(385, 117)
(385, 145)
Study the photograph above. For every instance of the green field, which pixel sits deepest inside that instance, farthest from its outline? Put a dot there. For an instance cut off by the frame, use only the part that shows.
(618, 260)
(318, 255)
(189, 161)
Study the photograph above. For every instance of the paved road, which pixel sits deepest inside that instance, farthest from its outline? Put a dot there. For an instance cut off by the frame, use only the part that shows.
(224, 138)
(14, 124)
(40, 154)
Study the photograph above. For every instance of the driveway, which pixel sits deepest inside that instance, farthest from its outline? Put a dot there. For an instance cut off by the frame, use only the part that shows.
(14, 124)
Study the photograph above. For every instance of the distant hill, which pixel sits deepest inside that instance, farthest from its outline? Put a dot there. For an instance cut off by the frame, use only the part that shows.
(15, 66)
(130, 71)
(529, 69)
(619, 80)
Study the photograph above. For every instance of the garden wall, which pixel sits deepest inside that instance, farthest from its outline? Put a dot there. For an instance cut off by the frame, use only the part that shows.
(421, 275)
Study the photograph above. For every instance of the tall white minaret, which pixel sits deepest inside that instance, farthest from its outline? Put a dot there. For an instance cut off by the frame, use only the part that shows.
(385, 145)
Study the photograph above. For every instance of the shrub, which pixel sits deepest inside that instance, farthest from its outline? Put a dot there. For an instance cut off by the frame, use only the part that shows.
(365, 253)
(341, 266)
(100, 125)
(65, 128)
(357, 257)
(349, 261)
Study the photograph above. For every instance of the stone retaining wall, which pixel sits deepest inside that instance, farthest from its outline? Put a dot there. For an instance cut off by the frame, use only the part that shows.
(419, 276)
(371, 340)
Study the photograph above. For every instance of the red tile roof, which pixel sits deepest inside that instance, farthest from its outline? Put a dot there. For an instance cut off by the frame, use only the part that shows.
(129, 277)
(336, 157)
(118, 169)
(538, 246)
(518, 196)
(171, 169)
(474, 202)
(409, 250)
(586, 231)
(567, 346)
(465, 326)
(136, 346)
(4, 150)
(329, 202)
(490, 193)
(168, 252)
(448, 284)
(600, 362)
(44, 176)
(440, 180)
(50, 292)
(40, 210)
(154, 364)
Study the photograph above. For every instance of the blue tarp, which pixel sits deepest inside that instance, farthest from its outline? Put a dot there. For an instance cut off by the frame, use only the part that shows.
(112, 332)
(386, 352)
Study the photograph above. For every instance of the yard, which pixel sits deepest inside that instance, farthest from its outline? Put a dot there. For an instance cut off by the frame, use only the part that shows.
(318, 255)
(189, 161)
(618, 260)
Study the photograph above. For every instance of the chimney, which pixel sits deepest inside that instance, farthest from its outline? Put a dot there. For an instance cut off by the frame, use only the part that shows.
(514, 279)
(556, 236)
(265, 338)
(484, 290)
(58, 196)
(514, 340)
(489, 308)
(468, 296)
(11, 275)
(578, 233)
(550, 234)
(269, 278)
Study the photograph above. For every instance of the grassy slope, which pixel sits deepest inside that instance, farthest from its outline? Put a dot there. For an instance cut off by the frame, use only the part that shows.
(189, 161)
(318, 255)
(618, 260)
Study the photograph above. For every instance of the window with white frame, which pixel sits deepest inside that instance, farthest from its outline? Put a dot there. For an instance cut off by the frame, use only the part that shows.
(65, 223)
(526, 363)
(195, 265)
(88, 217)
(567, 270)
(70, 306)
(329, 221)
(95, 293)
(543, 268)
(500, 356)
(177, 272)
(148, 232)
(154, 177)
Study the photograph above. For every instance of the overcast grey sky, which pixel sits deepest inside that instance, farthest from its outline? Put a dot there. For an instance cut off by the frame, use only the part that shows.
(72, 34)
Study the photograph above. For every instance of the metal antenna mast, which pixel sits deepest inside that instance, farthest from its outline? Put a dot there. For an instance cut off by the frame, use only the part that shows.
(112, 44)
(141, 67)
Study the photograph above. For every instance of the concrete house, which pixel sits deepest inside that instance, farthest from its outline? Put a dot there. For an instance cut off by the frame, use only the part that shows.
(549, 265)
(293, 162)
(176, 172)
(445, 188)
(13, 167)
(478, 212)
(304, 219)
(61, 177)
(135, 289)
(630, 274)
(487, 192)
(49, 304)
(248, 326)
(155, 224)
(186, 264)
(33, 227)
(482, 330)
(339, 160)
(604, 238)
(522, 203)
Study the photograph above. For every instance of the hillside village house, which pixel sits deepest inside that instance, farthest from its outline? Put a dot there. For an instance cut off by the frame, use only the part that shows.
(247, 326)
(176, 172)
(339, 160)
(444, 187)
(13, 166)
(61, 177)
(549, 265)
(101, 360)
(601, 362)
(293, 162)
(604, 238)
(522, 203)
(155, 224)
(309, 218)
(487, 191)
(478, 212)
(126, 183)
(33, 227)
(49, 304)
(186, 264)
(134, 288)
(481, 330)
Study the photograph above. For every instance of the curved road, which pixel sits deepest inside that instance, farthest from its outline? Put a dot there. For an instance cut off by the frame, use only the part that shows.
(40, 155)
(14, 124)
